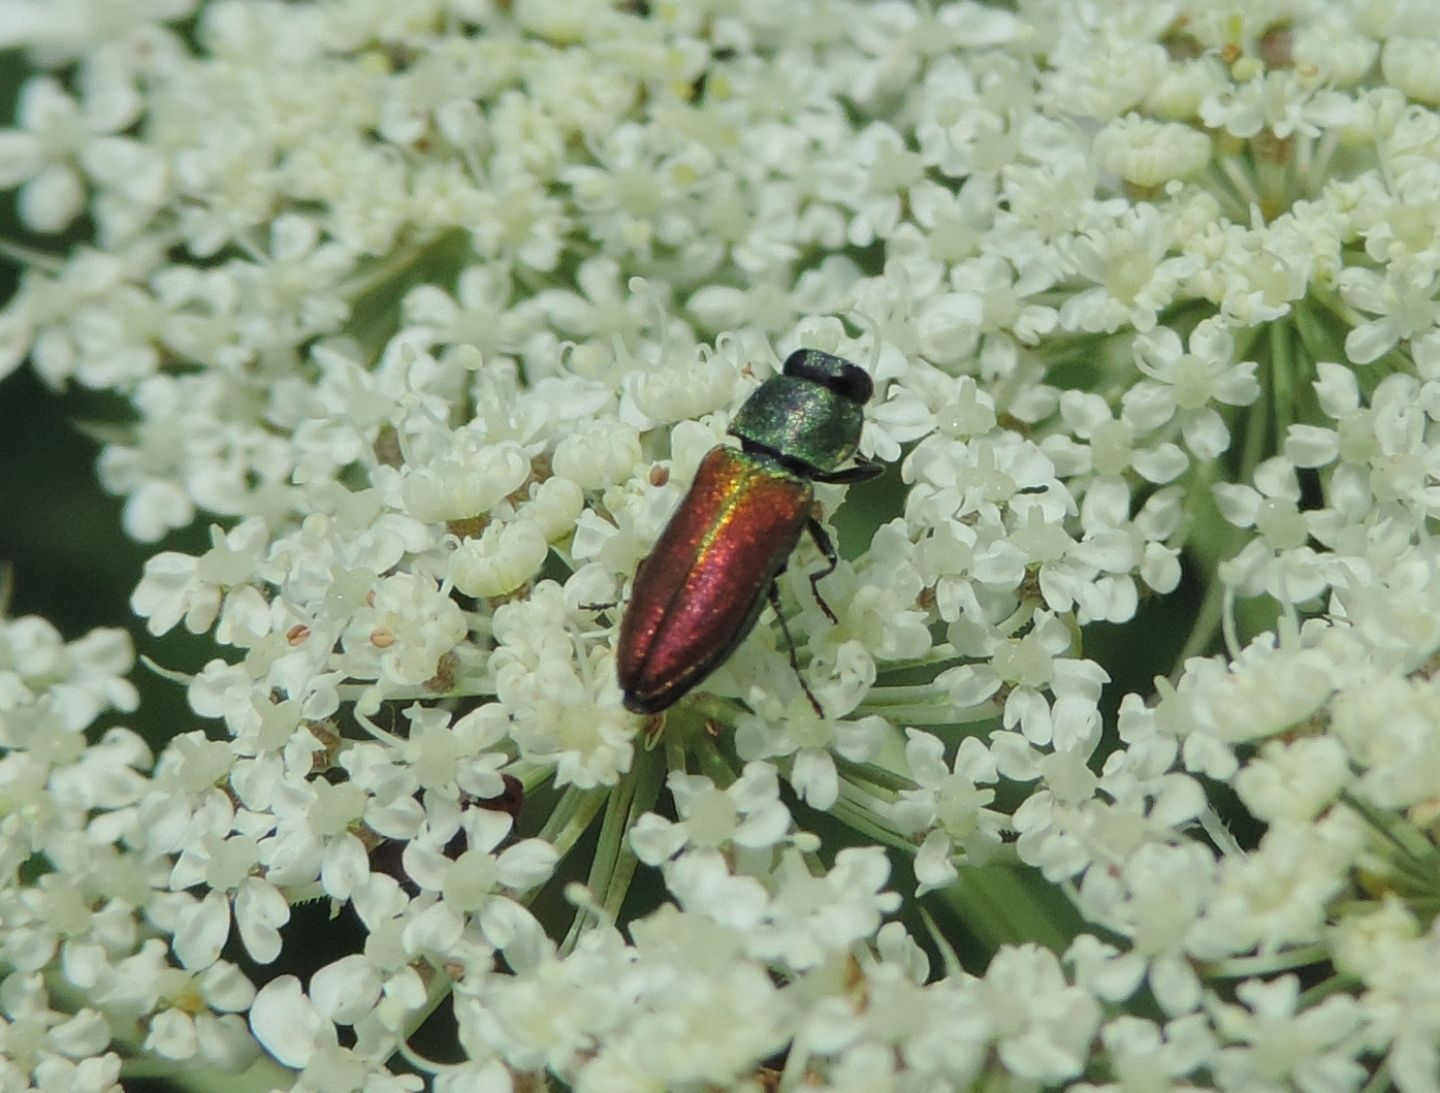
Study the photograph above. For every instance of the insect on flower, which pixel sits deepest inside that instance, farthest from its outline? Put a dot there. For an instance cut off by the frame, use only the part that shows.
(698, 594)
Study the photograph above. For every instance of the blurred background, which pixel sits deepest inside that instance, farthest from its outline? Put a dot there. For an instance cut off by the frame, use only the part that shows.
(60, 532)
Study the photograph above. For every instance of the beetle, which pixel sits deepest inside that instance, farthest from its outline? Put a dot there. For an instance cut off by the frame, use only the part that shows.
(698, 594)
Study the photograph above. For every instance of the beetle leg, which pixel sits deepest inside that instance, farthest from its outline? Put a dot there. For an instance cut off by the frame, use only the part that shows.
(774, 596)
(827, 548)
(861, 472)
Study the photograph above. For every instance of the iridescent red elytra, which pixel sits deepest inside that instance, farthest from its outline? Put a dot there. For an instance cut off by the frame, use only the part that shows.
(698, 594)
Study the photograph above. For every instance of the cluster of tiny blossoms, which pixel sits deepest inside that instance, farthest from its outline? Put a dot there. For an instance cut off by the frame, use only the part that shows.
(431, 310)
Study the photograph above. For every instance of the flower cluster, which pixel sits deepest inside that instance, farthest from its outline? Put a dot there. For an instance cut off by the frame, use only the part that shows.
(432, 310)
(85, 982)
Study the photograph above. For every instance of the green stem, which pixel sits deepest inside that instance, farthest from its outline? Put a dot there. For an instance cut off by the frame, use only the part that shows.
(871, 778)
(570, 817)
(1202, 633)
(1380, 1081)
(436, 992)
(936, 714)
(1223, 187)
(1245, 341)
(713, 764)
(370, 279)
(264, 1075)
(1239, 967)
(614, 864)
(675, 754)
(854, 814)
(942, 653)
(1336, 305)
(1214, 543)
(1001, 905)
(605, 866)
(1403, 837)
(1324, 989)
(1253, 448)
(1282, 377)
(1273, 180)
(883, 697)
(1316, 340)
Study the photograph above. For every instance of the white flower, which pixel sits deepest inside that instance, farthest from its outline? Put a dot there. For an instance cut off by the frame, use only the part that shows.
(598, 454)
(57, 134)
(293, 1028)
(949, 801)
(1125, 258)
(259, 910)
(877, 615)
(1386, 949)
(424, 303)
(1112, 448)
(1156, 901)
(478, 314)
(400, 635)
(1276, 1039)
(177, 586)
(1148, 153)
(1027, 667)
(467, 479)
(562, 712)
(892, 171)
(72, 683)
(680, 391)
(1403, 296)
(1387, 730)
(1295, 781)
(502, 559)
(1041, 1024)
(1278, 895)
(602, 310)
(1278, 562)
(1265, 692)
(1141, 1053)
(1403, 63)
(748, 814)
(60, 1050)
(787, 916)
(810, 739)
(179, 1029)
(1188, 383)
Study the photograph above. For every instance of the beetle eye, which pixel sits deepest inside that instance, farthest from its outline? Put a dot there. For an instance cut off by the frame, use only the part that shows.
(852, 382)
(800, 365)
(836, 374)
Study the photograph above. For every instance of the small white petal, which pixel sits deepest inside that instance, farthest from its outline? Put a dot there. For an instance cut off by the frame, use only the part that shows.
(286, 1023)
(259, 912)
(656, 839)
(52, 200)
(172, 1035)
(527, 864)
(934, 867)
(200, 931)
(815, 778)
(346, 990)
(1371, 340)
(20, 157)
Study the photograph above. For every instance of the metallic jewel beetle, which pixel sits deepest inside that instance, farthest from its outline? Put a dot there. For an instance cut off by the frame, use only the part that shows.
(698, 594)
